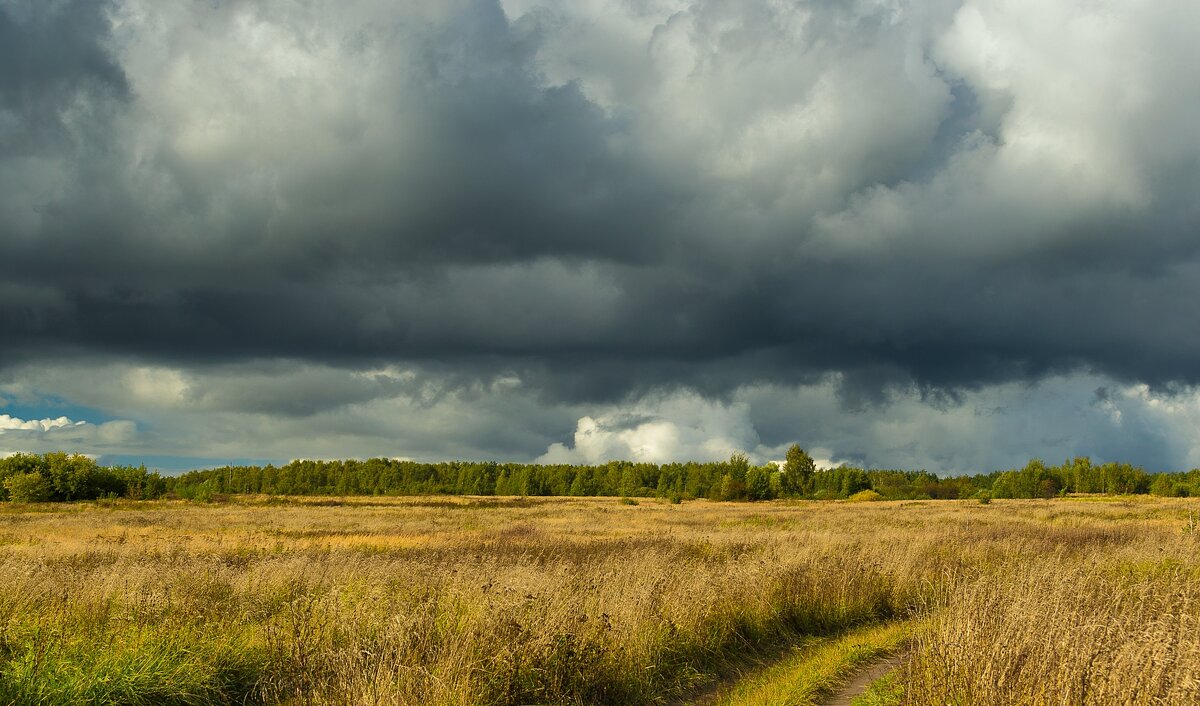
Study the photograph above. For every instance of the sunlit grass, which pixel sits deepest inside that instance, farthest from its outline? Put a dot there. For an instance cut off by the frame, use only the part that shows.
(511, 601)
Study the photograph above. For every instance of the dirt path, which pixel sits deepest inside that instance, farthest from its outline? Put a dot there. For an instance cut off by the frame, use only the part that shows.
(815, 666)
(861, 680)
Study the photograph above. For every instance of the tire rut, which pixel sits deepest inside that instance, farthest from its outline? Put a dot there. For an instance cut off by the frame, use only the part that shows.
(861, 681)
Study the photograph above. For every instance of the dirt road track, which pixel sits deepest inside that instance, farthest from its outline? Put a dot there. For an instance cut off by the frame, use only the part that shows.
(860, 681)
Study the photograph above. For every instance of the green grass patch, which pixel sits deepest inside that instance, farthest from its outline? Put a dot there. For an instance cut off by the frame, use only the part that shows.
(885, 691)
(816, 669)
(150, 670)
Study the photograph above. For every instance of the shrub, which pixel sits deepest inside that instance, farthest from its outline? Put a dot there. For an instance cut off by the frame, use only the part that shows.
(28, 488)
(984, 497)
(864, 496)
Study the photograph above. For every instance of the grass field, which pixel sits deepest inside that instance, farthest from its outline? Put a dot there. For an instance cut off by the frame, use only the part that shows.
(512, 601)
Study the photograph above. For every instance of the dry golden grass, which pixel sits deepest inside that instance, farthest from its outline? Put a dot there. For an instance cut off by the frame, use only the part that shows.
(515, 601)
(1110, 618)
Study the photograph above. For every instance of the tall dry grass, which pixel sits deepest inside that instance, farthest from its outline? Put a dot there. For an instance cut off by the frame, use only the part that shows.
(511, 601)
(1094, 623)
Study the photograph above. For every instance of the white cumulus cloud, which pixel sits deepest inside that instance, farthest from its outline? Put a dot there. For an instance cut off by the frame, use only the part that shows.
(10, 423)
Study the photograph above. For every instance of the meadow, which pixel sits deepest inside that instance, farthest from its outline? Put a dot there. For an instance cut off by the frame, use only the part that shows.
(509, 601)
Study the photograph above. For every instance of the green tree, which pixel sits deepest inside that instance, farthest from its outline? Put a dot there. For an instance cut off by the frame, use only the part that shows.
(758, 483)
(629, 482)
(854, 480)
(28, 488)
(733, 483)
(77, 477)
(579, 487)
(1165, 486)
(798, 471)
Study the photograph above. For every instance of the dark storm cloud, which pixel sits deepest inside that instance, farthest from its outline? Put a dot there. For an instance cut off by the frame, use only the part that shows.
(51, 55)
(742, 196)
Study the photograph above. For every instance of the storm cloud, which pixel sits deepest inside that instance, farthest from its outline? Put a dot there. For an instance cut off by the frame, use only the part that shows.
(597, 216)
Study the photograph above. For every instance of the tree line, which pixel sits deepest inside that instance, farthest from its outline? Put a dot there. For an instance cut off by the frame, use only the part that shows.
(59, 476)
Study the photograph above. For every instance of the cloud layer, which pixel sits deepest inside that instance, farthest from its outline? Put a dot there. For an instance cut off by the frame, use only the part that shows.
(595, 213)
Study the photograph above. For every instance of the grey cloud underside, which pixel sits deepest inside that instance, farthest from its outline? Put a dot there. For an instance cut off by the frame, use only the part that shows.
(470, 191)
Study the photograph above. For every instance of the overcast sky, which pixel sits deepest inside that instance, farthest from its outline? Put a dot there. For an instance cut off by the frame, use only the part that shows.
(941, 234)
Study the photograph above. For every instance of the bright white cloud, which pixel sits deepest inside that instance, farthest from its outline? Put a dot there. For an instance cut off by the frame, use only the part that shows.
(61, 433)
(658, 430)
(10, 423)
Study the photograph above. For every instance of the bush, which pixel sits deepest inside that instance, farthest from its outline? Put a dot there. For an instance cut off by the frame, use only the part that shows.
(205, 492)
(864, 496)
(28, 488)
(984, 497)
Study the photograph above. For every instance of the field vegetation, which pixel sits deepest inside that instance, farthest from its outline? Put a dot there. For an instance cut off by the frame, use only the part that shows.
(507, 600)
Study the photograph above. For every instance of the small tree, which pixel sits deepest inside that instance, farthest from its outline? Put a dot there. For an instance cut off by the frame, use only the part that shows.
(798, 471)
(630, 483)
(28, 488)
(733, 483)
(758, 483)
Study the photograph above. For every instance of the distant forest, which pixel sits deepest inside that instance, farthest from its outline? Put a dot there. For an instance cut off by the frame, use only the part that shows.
(65, 477)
